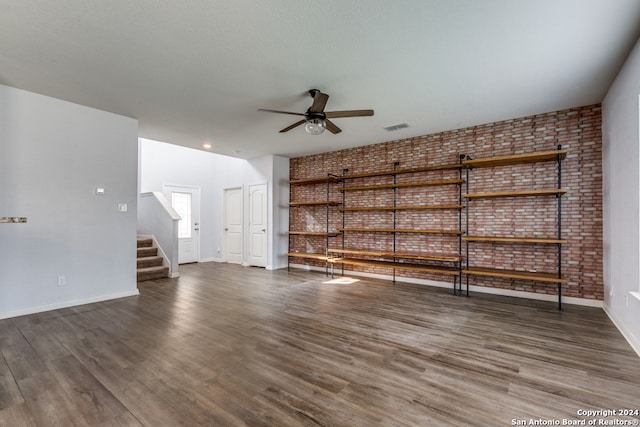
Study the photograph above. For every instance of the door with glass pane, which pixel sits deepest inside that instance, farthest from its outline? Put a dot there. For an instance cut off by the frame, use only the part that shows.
(186, 202)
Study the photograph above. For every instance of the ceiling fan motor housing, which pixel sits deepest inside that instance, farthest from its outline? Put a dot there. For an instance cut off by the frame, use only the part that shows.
(310, 116)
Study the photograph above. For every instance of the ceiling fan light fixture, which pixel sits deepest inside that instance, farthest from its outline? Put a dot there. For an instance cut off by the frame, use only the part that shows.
(315, 126)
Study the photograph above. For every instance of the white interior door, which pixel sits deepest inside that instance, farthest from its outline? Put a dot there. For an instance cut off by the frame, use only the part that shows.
(232, 230)
(186, 201)
(258, 217)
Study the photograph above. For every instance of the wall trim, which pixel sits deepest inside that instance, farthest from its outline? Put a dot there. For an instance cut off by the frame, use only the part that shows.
(211, 259)
(479, 289)
(66, 304)
(633, 342)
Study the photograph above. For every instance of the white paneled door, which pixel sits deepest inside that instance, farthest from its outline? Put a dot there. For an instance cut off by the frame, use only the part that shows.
(258, 217)
(232, 228)
(186, 202)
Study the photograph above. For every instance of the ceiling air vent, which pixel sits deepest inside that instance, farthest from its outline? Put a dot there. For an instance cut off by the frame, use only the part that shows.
(396, 127)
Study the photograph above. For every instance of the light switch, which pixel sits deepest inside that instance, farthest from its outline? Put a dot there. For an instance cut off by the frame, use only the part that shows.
(122, 207)
(99, 191)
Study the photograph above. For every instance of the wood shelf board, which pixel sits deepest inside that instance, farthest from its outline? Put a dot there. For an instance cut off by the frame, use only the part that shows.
(397, 265)
(401, 230)
(321, 257)
(311, 181)
(404, 185)
(514, 274)
(523, 193)
(401, 208)
(516, 159)
(408, 255)
(513, 239)
(404, 171)
(325, 203)
(314, 233)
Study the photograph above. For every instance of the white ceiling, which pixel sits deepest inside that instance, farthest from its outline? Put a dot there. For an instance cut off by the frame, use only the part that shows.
(196, 71)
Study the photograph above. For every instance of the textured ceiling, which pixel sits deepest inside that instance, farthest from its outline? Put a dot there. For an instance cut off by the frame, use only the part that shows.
(196, 71)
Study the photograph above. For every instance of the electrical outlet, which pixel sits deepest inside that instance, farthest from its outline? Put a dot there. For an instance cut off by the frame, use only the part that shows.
(62, 280)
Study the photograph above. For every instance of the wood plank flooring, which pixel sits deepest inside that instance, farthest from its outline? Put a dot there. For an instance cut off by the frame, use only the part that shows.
(225, 345)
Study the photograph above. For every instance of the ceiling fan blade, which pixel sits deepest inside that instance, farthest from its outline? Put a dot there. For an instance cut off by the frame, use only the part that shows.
(296, 124)
(348, 113)
(331, 127)
(319, 101)
(281, 112)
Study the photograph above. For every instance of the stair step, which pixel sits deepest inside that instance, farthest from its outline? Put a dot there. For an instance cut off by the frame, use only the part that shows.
(150, 261)
(147, 252)
(145, 242)
(151, 273)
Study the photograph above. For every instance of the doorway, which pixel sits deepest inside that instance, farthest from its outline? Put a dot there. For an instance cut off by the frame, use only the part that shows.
(186, 202)
(258, 223)
(232, 225)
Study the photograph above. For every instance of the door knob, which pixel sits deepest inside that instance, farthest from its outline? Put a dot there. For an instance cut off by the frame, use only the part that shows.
(226, 229)
(264, 231)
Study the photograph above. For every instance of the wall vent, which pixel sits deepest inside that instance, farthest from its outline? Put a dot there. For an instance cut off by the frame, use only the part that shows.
(396, 127)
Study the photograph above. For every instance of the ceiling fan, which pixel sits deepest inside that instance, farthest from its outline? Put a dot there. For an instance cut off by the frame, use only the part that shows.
(316, 120)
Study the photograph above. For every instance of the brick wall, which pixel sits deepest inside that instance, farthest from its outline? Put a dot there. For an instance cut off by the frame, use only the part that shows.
(578, 130)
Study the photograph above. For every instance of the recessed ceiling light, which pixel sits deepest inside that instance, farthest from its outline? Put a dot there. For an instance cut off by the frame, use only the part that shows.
(206, 145)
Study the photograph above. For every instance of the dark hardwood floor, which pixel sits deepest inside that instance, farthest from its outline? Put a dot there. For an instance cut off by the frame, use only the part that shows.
(226, 345)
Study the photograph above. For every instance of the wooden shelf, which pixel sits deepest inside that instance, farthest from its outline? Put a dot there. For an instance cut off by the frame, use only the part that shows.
(516, 159)
(513, 274)
(401, 208)
(325, 203)
(314, 233)
(320, 257)
(403, 171)
(524, 193)
(407, 255)
(311, 181)
(512, 239)
(404, 185)
(397, 265)
(401, 230)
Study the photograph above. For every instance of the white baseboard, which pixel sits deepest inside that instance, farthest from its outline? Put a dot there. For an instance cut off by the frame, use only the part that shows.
(633, 342)
(212, 259)
(472, 288)
(66, 304)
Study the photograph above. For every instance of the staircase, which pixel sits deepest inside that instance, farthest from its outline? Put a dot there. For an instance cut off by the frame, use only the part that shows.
(150, 264)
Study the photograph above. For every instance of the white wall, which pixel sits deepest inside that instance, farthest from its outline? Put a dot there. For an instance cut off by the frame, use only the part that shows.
(274, 171)
(162, 163)
(621, 193)
(280, 211)
(167, 164)
(53, 155)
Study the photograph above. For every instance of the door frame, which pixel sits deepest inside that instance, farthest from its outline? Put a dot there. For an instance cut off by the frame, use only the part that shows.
(168, 188)
(224, 222)
(267, 217)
